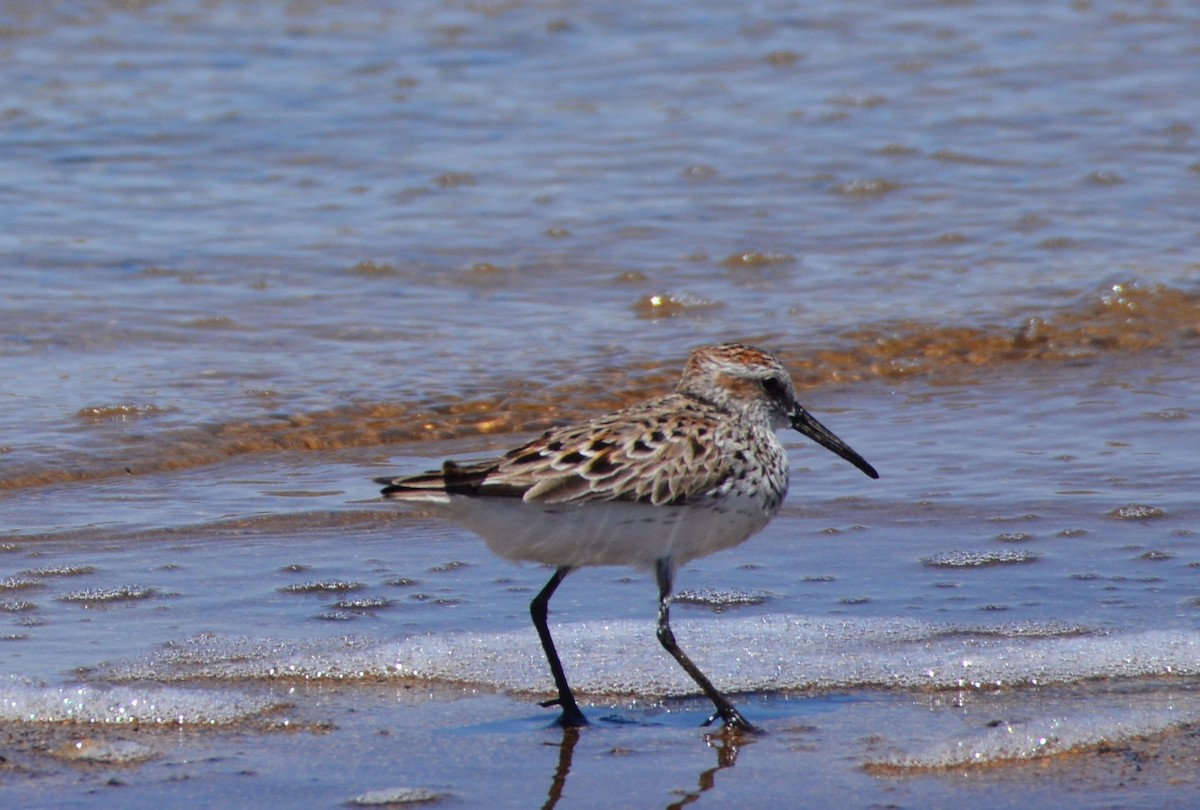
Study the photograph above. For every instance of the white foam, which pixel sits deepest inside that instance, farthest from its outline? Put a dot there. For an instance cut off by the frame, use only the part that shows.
(100, 704)
(741, 654)
(395, 796)
(1045, 735)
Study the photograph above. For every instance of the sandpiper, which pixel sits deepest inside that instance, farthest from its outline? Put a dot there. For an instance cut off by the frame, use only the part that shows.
(652, 486)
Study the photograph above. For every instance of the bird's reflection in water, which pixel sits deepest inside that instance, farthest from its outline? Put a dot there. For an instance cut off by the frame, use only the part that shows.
(565, 752)
(726, 743)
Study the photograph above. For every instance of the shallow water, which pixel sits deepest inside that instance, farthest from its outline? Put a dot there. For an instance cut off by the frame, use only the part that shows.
(941, 599)
(259, 253)
(231, 223)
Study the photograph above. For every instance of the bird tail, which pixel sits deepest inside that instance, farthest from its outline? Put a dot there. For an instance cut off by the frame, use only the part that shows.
(453, 479)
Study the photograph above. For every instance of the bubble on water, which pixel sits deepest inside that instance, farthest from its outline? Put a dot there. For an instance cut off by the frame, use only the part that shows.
(869, 187)
(119, 705)
(671, 305)
(430, 599)
(1170, 414)
(124, 593)
(364, 603)
(756, 258)
(60, 571)
(396, 795)
(121, 412)
(1136, 511)
(1015, 537)
(326, 586)
(19, 584)
(719, 600)
(337, 616)
(977, 559)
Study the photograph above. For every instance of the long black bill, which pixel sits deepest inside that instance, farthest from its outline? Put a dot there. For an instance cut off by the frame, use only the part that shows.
(803, 421)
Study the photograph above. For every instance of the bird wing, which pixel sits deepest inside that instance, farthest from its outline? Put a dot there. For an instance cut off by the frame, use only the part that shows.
(664, 451)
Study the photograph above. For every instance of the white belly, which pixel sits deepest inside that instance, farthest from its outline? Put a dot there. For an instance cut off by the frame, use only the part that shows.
(606, 533)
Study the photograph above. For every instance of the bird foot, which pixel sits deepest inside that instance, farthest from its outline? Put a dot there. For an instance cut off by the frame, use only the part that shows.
(732, 720)
(571, 716)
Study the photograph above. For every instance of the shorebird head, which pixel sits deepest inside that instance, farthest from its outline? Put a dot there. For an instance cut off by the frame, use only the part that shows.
(753, 383)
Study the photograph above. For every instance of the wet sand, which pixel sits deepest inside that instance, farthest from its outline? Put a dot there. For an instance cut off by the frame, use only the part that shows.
(333, 745)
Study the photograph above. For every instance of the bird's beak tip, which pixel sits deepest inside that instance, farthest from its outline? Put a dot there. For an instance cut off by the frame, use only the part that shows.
(805, 423)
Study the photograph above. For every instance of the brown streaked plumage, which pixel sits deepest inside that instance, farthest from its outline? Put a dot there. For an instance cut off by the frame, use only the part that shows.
(652, 486)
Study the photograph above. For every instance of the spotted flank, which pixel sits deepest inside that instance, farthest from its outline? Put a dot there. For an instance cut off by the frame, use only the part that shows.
(669, 451)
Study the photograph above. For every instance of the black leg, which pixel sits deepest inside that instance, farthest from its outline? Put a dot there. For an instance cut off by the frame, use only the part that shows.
(539, 608)
(725, 710)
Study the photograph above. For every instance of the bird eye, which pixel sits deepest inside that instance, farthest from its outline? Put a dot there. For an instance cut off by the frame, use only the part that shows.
(773, 386)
